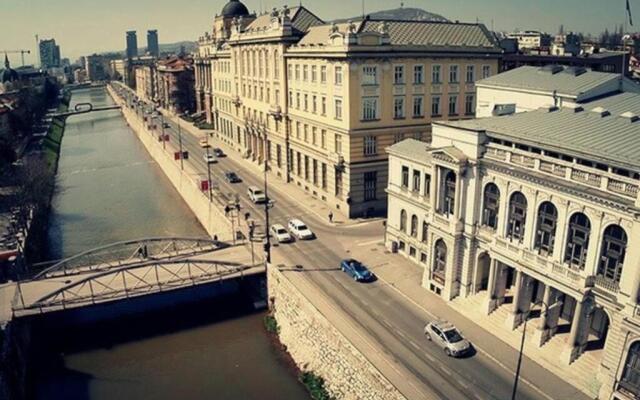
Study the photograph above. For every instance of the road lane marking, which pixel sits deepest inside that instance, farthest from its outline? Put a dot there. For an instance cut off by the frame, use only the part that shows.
(370, 242)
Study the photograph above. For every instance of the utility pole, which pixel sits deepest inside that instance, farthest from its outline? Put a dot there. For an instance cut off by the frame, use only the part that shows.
(164, 146)
(180, 141)
(267, 244)
(209, 179)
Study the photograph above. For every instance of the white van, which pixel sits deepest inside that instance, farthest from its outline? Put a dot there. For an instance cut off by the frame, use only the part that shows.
(256, 195)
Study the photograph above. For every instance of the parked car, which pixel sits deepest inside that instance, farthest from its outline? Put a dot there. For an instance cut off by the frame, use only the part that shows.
(280, 234)
(232, 177)
(166, 125)
(445, 335)
(210, 158)
(218, 152)
(204, 142)
(300, 230)
(356, 270)
(256, 195)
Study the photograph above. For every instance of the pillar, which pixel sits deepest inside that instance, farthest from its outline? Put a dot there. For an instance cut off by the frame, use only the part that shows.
(574, 348)
(542, 333)
(490, 303)
(515, 316)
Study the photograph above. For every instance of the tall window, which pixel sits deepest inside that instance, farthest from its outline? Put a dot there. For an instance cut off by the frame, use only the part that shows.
(453, 104)
(403, 221)
(369, 75)
(370, 146)
(338, 143)
(306, 102)
(471, 74)
(435, 106)
(314, 73)
(418, 106)
(517, 217)
(453, 74)
(398, 107)
(449, 194)
(486, 71)
(306, 168)
(324, 105)
(305, 73)
(418, 74)
(405, 177)
(630, 380)
(468, 104)
(338, 109)
(306, 133)
(297, 72)
(338, 76)
(491, 205)
(370, 185)
(427, 184)
(440, 262)
(614, 248)
(414, 226)
(578, 240)
(398, 75)
(323, 74)
(276, 65)
(324, 176)
(436, 74)
(314, 136)
(314, 104)
(425, 231)
(416, 181)
(323, 138)
(369, 108)
(315, 172)
(546, 228)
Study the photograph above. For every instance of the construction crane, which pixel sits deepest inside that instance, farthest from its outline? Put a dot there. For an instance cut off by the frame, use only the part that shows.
(22, 53)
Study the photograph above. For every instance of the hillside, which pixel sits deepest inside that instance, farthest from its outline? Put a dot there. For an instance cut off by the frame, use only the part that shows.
(412, 14)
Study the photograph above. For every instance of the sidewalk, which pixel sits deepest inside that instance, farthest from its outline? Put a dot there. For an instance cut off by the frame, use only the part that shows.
(494, 341)
(304, 199)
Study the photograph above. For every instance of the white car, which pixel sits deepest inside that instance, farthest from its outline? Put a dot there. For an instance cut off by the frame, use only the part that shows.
(210, 159)
(300, 230)
(280, 234)
(256, 195)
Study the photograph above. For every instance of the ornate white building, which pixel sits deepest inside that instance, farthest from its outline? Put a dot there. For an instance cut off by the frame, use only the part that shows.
(534, 212)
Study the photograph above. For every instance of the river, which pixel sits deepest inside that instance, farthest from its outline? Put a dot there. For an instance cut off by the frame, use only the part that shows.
(110, 190)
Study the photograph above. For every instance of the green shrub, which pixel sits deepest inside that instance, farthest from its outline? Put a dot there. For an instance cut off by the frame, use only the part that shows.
(315, 386)
(271, 324)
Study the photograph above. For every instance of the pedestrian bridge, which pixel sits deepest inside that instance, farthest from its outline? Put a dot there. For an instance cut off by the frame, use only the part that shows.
(128, 270)
(83, 108)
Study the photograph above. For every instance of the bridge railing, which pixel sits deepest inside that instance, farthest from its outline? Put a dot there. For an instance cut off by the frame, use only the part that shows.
(130, 281)
(129, 252)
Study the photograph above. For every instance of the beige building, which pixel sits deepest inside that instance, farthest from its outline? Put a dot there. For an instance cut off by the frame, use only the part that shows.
(534, 215)
(322, 101)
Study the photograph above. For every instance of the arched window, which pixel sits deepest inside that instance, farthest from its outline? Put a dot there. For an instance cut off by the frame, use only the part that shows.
(546, 228)
(276, 65)
(631, 375)
(403, 221)
(517, 216)
(614, 248)
(414, 226)
(440, 262)
(491, 204)
(578, 240)
(449, 193)
(425, 228)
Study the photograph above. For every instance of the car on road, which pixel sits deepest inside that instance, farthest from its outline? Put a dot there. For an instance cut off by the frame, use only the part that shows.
(218, 152)
(448, 337)
(256, 195)
(210, 159)
(280, 234)
(166, 125)
(299, 230)
(204, 142)
(356, 270)
(232, 177)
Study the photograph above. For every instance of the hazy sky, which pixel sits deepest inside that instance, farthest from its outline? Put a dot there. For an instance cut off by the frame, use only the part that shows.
(85, 26)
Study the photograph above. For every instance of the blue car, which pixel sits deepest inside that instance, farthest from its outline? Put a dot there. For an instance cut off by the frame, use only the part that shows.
(357, 271)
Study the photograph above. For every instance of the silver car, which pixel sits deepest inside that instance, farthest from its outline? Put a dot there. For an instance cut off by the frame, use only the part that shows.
(445, 335)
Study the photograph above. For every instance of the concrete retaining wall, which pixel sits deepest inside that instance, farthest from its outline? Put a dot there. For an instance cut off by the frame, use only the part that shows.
(186, 182)
(14, 356)
(316, 345)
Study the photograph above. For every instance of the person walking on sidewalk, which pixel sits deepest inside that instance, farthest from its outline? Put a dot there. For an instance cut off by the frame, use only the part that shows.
(330, 216)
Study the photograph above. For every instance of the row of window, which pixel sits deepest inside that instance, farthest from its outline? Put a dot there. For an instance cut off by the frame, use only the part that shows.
(370, 74)
(306, 73)
(614, 241)
(371, 109)
(256, 63)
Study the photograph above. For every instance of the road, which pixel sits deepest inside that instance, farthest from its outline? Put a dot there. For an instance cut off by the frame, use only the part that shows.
(392, 323)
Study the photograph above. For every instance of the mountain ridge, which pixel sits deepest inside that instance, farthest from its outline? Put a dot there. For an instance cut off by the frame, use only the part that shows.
(402, 13)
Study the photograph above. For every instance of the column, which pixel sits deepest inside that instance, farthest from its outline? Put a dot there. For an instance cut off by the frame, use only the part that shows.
(515, 317)
(572, 351)
(542, 332)
(457, 207)
(490, 302)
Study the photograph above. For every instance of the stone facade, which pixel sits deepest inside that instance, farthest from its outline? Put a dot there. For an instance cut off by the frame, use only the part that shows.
(316, 345)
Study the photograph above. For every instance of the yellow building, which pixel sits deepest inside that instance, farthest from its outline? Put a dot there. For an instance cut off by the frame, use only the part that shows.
(322, 101)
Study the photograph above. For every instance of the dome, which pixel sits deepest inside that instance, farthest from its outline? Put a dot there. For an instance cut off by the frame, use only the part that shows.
(8, 75)
(235, 8)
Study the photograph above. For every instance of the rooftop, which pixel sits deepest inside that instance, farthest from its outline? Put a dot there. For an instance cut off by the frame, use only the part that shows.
(606, 130)
(569, 81)
(301, 20)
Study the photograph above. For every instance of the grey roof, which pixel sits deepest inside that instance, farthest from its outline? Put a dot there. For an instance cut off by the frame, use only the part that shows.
(540, 79)
(410, 148)
(432, 35)
(301, 20)
(609, 138)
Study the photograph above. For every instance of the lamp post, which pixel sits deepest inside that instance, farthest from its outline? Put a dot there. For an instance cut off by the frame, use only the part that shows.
(267, 244)
(209, 178)
(524, 332)
(180, 142)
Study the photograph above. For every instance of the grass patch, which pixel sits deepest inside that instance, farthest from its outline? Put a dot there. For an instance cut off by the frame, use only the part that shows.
(271, 325)
(315, 386)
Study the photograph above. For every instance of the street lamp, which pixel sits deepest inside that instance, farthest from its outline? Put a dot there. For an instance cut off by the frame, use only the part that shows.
(180, 142)
(209, 177)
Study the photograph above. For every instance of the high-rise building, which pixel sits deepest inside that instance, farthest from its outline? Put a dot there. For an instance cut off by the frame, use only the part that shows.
(49, 53)
(132, 44)
(152, 43)
(95, 67)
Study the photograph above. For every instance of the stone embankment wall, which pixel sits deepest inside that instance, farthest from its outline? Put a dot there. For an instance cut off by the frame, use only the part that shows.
(15, 338)
(316, 345)
(186, 182)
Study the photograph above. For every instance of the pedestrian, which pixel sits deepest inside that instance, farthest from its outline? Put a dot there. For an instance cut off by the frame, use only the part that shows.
(330, 216)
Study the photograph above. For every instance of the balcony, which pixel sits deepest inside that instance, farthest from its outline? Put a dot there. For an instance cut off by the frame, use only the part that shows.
(607, 285)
